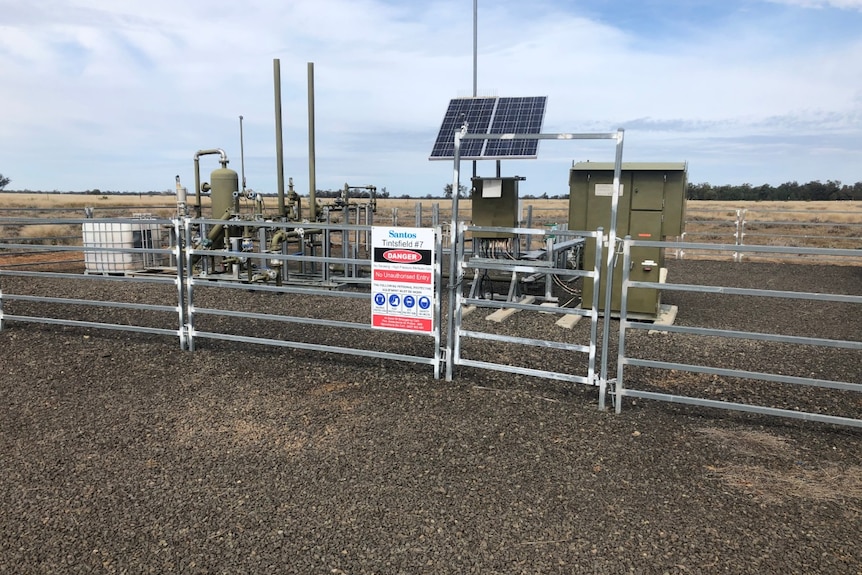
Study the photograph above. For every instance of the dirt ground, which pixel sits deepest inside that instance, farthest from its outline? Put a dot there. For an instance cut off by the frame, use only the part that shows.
(121, 453)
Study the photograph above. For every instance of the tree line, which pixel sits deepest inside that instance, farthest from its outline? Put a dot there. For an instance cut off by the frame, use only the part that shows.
(831, 190)
(812, 191)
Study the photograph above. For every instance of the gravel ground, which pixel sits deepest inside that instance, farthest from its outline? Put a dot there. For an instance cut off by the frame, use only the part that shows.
(123, 454)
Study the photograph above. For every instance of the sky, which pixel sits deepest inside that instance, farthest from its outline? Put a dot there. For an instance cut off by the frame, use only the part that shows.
(119, 96)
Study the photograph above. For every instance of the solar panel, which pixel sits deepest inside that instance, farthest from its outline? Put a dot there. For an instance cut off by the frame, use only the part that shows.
(477, 113)
(516, 116)
(491, 116)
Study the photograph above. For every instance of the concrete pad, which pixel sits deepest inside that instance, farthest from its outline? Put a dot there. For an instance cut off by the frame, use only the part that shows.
(501, 314)
(467, 310)
(666, 316)
(569, 321)
(549, 304)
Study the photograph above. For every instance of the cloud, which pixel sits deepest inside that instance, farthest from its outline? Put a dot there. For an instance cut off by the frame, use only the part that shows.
(841, 4)
(120, 86)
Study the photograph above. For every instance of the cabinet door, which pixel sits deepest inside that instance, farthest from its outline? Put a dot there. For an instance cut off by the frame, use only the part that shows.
(648, 190)
(646, 262)
(645, 225)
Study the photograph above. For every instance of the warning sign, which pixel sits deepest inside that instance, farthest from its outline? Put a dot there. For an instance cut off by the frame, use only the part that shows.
(402, 286)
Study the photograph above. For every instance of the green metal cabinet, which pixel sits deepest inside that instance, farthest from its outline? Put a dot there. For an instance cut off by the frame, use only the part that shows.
(651, 206)
(495, 205)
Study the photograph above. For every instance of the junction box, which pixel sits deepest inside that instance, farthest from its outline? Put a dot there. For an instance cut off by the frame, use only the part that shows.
(651, 207)
(495, 205)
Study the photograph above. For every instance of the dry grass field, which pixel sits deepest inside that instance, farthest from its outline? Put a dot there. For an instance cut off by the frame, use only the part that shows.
(543, 210)
(801, 224)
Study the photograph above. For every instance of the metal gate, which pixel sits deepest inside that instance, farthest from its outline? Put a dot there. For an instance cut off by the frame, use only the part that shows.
(299, 267)
(511, 268)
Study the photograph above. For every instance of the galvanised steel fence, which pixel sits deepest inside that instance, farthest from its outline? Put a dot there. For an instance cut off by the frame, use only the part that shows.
(755, 226)
(807, 344)
(34, 276)
(29, 266)
(123, 254)
(317, 275)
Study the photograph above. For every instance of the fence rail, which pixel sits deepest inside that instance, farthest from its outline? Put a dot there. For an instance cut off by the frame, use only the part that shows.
(18, 263)
(762, 226)
(808, 343)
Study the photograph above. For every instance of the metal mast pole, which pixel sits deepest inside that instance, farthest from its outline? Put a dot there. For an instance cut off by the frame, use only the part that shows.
(475, 61)
(475, 46)
(454, 234)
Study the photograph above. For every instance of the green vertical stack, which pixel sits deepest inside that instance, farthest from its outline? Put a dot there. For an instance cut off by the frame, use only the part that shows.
(651, 207)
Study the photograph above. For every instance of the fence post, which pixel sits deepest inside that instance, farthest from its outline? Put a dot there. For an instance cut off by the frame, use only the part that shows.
(621, 342)
(740, 233)
(369, 221)
(189, 282)
(180, 257)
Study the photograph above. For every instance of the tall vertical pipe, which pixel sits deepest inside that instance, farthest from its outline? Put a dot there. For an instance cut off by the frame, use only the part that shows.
(242, 155)
(312, 166)
(197, 187)
(609, 277)
(279, 146)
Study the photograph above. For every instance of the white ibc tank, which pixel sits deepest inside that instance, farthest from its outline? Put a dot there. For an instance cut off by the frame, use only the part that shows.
(119, 235)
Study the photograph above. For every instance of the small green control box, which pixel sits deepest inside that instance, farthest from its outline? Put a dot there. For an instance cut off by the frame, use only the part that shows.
(495, 205)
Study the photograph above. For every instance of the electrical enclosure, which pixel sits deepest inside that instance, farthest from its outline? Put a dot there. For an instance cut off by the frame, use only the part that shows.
(495, 205)
(651, 206)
